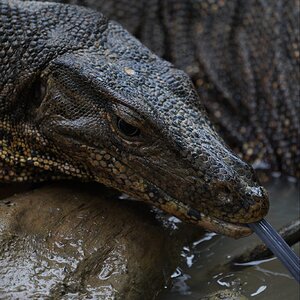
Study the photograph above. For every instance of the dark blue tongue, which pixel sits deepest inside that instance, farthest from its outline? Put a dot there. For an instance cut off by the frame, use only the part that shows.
(278, 246)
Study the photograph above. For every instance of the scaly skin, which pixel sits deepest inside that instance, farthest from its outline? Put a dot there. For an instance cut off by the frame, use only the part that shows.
(80, 97)
(243, 57)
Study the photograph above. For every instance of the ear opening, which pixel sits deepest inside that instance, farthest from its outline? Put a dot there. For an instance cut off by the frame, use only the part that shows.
(34, 96)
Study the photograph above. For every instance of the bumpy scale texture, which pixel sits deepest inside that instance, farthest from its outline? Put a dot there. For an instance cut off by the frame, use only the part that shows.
(28, 42)
(69, 78)
(243, 57)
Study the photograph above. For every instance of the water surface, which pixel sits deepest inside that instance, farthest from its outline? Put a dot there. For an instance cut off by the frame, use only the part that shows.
(202, 269)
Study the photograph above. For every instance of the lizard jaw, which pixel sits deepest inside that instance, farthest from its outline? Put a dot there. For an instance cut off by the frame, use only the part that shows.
(183, 211)
(190, 215)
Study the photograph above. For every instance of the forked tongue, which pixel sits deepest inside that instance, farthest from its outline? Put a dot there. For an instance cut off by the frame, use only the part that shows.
(278, 246)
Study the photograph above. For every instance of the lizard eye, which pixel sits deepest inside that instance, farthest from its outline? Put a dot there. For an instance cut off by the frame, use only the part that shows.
(127, 129)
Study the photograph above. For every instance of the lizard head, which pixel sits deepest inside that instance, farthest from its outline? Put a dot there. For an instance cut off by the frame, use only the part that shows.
(135, 123)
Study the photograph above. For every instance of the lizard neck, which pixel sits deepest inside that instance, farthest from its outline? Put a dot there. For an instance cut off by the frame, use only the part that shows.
(25, 155)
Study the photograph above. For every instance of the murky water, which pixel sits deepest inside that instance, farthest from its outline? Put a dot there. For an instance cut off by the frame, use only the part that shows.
(202, 270)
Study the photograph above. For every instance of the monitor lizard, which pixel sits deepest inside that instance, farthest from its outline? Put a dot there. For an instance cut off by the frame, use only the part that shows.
(81, 97)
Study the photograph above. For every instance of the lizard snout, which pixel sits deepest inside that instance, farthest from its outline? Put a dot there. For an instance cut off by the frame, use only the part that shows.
(256, 204)
(238, 202)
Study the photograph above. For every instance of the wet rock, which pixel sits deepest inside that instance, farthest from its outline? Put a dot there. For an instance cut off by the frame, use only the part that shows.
(78, 241)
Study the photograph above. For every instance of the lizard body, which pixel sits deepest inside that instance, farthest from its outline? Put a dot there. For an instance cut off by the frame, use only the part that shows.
(81, 97)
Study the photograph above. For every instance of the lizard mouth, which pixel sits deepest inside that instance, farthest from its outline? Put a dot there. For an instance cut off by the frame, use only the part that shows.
(234, 230)
(190, 215)
(183, 211)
